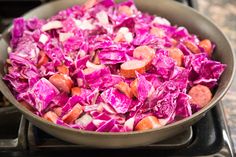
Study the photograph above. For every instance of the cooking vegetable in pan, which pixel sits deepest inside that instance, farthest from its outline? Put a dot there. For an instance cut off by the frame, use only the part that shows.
(109, 67)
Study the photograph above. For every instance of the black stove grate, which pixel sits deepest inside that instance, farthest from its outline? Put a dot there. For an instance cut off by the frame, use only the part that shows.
(204, 138)
(209, 136)
(39, 140)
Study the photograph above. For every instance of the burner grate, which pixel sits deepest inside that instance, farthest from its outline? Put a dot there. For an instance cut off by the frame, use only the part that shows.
(208, 136)
(12, 132)
(41, 140)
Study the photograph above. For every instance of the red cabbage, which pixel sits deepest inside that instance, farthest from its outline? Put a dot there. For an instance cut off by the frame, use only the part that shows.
(88, 44)
(144, 88)
(117, 100)
(42, 93)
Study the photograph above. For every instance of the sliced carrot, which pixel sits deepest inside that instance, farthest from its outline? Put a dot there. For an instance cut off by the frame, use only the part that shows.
(43, 59)
(119, 38)
(200, 95)
(58, 110)
(144, 52)
(174, 42)
(73, 114)
(207, 46)
(62, 82)
(63, 69)
(125, 10)
(128, 68)
(157, 32)
(96, 59)
(134, 87)
(191, 46)
(75, 91)
(51, 116)
(147, 123)
(8, 61)
(89, 4)
(124, 88)
(177, 55)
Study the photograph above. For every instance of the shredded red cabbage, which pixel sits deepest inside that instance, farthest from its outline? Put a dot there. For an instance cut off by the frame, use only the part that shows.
(77, 64)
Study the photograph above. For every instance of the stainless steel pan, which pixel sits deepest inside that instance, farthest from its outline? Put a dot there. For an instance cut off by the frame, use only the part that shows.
(177, 14)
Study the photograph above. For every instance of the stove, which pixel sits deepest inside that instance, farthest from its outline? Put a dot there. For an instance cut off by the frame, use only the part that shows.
(18, 137)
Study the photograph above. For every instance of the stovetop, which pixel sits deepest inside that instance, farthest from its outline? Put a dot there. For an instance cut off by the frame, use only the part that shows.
(18, 137)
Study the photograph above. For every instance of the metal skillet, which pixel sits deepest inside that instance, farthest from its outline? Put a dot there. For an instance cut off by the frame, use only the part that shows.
(177, 14)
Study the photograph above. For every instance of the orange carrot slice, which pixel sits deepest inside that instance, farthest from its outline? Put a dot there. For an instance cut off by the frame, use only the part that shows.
(62, 82)
(201, 95)
(177, 55)
(128, 68)
(73, 114)
(124, 88)
(147, 123)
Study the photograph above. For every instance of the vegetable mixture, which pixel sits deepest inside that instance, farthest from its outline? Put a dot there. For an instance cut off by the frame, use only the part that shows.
(108, 67)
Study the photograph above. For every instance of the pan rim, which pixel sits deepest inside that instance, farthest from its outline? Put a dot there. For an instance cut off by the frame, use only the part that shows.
(169, 126)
